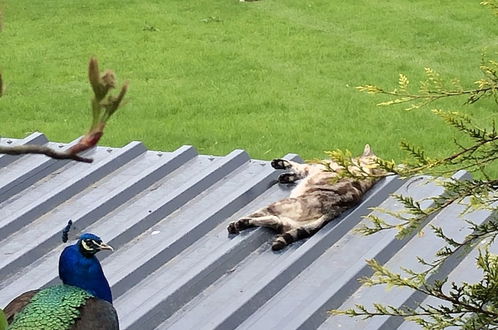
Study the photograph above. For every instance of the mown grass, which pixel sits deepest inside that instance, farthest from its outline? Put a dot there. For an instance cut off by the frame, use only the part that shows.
(270, 77)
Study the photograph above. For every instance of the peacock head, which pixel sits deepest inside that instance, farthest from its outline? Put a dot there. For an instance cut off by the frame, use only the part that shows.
(90, 244)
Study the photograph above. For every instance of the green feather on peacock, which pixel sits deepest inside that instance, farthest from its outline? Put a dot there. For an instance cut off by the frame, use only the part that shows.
(83, 301)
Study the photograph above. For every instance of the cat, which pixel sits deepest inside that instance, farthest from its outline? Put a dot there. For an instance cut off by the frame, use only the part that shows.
(315, 200)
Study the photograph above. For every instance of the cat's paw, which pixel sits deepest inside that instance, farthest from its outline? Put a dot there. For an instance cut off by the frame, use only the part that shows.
(278, 243)
(236, 226)
(232, 228)
(287, 178)
(280, 164)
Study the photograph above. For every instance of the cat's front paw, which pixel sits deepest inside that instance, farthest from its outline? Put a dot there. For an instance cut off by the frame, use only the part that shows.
(280, 164)
(287, 178)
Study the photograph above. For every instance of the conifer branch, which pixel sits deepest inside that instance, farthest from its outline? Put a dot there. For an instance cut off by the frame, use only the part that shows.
(435, 88)
(493, 4)
(465, 300)
(464, 305)
(427, 97)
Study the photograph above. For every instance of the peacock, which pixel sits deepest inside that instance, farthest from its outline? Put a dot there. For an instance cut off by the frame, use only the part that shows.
(83, 301)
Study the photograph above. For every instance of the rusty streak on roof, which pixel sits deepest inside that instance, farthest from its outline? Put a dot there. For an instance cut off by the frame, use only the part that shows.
(175, 267)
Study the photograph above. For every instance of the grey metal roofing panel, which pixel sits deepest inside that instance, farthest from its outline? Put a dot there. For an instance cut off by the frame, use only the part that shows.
(466, 271)
(345, 261)
(35, 138)
(174, 265)
(425, 247)
(264, 273)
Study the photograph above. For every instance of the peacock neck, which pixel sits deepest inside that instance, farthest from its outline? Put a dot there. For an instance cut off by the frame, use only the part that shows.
(84, 271)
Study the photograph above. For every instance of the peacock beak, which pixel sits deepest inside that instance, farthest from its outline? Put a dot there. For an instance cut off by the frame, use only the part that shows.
(104, 246)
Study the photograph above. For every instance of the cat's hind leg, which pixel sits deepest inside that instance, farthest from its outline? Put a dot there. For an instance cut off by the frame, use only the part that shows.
(298, 233)
(235, 227)
(268, 220)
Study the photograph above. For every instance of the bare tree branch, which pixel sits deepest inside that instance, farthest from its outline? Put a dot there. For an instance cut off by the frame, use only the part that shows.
(42, 150)
(103, 107)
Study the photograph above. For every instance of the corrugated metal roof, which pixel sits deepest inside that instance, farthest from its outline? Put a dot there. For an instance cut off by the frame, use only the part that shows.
(174, 266)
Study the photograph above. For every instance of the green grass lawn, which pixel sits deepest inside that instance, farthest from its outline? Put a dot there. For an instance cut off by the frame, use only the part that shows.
(270, 77)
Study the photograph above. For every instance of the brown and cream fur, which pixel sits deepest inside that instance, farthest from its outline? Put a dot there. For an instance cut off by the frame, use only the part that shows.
(314, 201)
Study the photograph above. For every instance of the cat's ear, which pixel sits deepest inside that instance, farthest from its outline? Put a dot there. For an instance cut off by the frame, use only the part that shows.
(367, 152)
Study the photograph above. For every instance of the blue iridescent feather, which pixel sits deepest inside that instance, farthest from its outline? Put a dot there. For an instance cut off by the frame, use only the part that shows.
(83, 270)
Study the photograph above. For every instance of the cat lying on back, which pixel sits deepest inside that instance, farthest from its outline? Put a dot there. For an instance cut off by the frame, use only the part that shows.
(314, 201)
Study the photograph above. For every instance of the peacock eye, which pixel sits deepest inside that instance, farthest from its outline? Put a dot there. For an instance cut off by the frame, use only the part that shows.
(90, 244)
